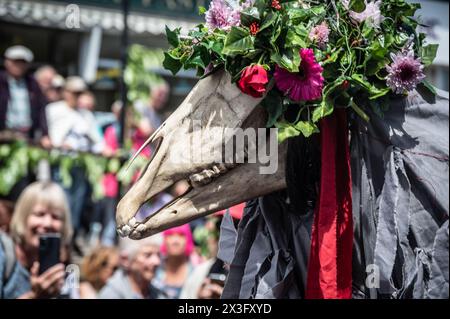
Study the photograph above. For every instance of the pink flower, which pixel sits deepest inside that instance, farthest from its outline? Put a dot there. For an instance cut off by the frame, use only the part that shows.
(371, 15)
(220, 15)
(319, 34)
(405, 72)
(305, 85)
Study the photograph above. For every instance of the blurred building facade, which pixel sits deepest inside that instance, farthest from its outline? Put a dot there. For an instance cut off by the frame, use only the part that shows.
(84, 37)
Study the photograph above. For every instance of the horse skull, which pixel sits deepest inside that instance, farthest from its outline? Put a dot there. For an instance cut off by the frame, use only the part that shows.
(216, 107)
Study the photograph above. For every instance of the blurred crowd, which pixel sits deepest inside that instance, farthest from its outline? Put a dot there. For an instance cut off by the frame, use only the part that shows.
(56, 112)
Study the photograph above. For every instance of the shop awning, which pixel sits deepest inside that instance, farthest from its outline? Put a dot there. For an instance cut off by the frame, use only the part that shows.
(55, 15)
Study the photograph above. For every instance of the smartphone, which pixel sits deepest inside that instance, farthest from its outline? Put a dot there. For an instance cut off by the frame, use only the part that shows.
(49, 250)
(217, 278)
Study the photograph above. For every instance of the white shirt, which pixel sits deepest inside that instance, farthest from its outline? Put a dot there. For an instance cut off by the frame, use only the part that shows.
(76, 128)
(18, 113)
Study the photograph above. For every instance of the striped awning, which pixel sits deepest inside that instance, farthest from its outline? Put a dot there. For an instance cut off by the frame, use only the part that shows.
(63, 16)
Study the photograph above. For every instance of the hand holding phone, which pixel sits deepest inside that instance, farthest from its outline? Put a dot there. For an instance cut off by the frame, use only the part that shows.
(212, 286)
(49, 251)
(217, 278)
(48, 284)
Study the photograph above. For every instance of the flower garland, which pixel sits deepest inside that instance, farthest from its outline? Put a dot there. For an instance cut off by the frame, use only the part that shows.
(318, 54)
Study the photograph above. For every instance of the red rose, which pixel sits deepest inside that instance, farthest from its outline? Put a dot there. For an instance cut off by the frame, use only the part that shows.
(253, 81)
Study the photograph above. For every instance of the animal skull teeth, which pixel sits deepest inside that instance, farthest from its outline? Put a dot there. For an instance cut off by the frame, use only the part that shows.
(140, 228)
(126, 230)
(208, 175)
(132, 222)
(196, 180)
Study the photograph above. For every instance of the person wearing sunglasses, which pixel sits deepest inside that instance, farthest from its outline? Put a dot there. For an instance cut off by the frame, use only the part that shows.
(96, 269)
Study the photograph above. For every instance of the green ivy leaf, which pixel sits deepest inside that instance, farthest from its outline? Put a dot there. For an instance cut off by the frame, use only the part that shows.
(197, 34)
(171, 63)
(307, 128)
(216, 47)
(285, 131)
(294, 40)
(333, 57)
(274, 107)
(238, 41)
(357, 5)
(427, 86)
(373, 66)
(296, 60)
(379, 93)
(253, 54)
(261, 5)
(429, 54)
(297, 15)
(268, 21)
(373, 91)
(201, 10)
(377, 49)
(250, 15)
(324, 109)
(198, 58)
(173, 36)
(290, 60)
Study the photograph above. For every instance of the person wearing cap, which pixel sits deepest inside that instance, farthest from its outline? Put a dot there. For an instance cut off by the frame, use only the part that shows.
(140, 260)
(22, 104)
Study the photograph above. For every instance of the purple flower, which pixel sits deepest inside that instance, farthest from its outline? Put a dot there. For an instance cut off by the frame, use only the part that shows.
(222, 15)
(319, 34)
(405, 72)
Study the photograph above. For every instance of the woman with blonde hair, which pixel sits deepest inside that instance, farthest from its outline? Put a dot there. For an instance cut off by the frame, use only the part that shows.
(42, 208)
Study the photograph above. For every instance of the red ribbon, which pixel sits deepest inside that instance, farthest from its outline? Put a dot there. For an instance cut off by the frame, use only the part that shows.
(330, 260)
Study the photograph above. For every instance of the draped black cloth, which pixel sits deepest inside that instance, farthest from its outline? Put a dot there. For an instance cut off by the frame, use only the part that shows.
(400, 174)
